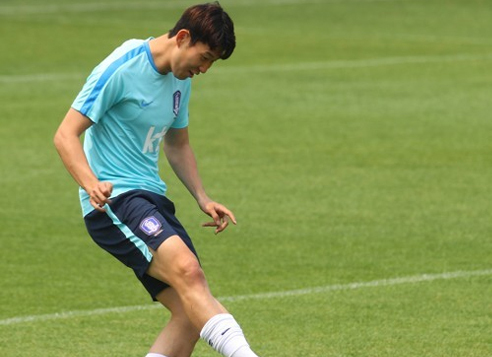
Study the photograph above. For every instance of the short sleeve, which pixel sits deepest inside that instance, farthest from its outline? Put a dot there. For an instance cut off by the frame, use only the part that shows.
(100, 92)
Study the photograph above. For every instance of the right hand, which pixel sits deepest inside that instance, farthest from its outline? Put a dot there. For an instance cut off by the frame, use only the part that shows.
(99, 195)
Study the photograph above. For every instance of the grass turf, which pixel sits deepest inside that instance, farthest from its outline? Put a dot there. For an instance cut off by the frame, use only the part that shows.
(350, 138)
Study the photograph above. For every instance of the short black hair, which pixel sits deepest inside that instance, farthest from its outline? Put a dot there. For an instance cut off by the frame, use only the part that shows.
(208, 24)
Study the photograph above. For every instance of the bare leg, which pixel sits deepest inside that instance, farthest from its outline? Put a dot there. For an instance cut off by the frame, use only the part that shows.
(176, 265)
(179, 337)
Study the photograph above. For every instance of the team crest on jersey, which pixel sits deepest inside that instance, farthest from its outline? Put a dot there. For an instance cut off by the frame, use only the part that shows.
(150, 225)
(176, 102)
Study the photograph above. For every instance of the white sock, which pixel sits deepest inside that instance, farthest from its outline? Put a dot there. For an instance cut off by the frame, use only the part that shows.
(154, 355)
(224, 334)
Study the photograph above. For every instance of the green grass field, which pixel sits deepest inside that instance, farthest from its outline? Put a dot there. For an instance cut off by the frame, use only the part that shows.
(352, 139)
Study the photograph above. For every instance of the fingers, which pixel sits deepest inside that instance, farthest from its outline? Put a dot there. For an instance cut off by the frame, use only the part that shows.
(218, 212)
(223, 226)
(219, 227)
(99, 195)
(229, 214)
(220, 215)
(215, 216)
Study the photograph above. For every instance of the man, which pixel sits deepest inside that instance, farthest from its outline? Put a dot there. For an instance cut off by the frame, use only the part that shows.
(134, 99)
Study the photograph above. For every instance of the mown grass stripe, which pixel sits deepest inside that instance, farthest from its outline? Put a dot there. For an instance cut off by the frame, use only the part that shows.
(46, 9)
(261, 296)
(301, 66)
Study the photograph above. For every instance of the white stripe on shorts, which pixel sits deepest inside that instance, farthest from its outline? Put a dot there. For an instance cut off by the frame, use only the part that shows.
(140, 244)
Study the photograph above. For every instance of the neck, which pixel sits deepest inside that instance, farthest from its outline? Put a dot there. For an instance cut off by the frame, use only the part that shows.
(161, 49)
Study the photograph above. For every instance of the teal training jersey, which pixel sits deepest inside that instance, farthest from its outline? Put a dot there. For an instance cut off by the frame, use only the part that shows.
(132, 106)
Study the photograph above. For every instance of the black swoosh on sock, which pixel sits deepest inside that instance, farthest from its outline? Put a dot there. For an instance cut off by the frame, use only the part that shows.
(222, 334)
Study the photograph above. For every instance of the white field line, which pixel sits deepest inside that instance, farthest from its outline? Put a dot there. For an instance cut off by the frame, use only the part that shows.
(11, 10)
(39, 77)
(261, 296)
(341, 64)
(458, 40)
(302, 66)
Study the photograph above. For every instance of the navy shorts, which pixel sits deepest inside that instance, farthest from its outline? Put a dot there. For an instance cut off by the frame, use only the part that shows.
(135, 221)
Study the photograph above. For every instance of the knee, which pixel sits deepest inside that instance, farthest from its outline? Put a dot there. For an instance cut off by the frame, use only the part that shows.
(189, 272)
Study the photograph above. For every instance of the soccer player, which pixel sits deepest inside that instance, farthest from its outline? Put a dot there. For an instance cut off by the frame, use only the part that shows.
(134, 99)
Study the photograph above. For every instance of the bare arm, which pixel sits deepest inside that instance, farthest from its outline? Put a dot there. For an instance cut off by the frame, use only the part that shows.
(69, 147)
(182, 160)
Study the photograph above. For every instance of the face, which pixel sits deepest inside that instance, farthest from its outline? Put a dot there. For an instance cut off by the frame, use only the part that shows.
(191, 60)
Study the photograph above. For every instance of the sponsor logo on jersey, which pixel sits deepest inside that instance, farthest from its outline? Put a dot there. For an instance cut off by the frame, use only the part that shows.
(176, 102)
(150, 225)
(153, 140)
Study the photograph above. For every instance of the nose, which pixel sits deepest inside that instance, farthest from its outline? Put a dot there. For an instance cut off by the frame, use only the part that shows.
(205, 67)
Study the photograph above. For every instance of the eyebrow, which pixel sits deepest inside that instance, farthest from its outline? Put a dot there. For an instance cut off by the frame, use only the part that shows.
(211, 55)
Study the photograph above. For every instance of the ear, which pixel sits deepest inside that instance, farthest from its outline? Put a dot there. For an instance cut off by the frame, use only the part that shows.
(183, 37)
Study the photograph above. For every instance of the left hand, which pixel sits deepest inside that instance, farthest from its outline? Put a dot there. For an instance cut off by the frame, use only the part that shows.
(220, 215)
